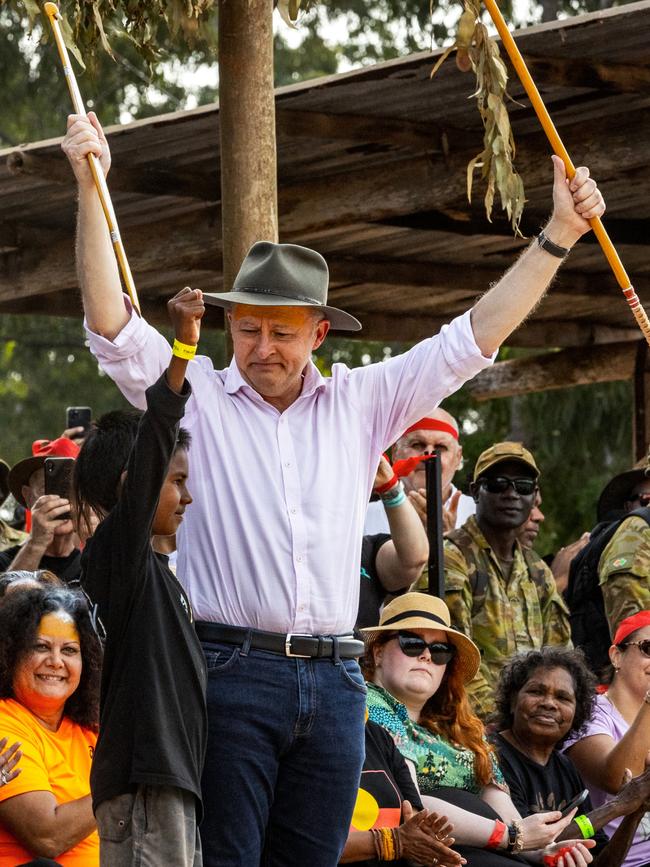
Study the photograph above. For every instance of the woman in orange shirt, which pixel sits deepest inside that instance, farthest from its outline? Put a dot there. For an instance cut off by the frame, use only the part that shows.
(50, 663)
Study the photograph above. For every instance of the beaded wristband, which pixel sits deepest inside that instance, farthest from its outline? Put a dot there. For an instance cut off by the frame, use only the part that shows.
(586, 828)
(183, 350)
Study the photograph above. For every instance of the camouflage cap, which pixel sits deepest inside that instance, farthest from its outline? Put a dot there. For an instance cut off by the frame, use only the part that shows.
(500, 452)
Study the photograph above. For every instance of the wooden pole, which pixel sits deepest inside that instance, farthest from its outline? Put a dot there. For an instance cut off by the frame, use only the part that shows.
(558, 148)
(249, 200)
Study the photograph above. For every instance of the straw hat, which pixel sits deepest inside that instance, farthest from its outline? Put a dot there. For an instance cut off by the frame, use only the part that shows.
(421, 611)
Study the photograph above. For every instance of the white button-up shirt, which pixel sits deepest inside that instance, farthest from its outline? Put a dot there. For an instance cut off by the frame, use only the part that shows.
(273, 537)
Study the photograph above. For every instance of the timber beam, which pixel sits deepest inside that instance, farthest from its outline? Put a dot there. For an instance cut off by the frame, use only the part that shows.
(562, 369)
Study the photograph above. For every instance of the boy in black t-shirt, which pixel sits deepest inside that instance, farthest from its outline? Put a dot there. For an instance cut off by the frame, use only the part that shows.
(146, 772)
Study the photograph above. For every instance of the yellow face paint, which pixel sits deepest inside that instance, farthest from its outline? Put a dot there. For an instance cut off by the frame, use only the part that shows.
(58, 624)
(294, 317)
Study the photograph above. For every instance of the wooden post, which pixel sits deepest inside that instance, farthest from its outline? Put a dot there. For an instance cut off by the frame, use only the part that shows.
(641, 425)
(249, 199)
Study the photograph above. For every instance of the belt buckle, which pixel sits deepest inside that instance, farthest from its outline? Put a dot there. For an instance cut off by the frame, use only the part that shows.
(287, 644)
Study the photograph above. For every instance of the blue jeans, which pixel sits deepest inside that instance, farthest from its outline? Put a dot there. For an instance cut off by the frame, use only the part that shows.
(284, 757)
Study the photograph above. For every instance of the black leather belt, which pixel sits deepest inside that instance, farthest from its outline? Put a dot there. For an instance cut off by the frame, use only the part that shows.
(289, 644)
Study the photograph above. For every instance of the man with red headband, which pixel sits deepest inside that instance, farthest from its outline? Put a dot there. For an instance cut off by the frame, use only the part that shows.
(52, 542)
(438, 430)
(284, 460)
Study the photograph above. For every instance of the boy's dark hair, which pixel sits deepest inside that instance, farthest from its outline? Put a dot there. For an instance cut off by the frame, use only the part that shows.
(102, 460)
(20, 615)
(519, 669)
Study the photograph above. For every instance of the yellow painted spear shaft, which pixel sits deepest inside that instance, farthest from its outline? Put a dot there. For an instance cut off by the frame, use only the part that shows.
(52, 12)
(558, 147)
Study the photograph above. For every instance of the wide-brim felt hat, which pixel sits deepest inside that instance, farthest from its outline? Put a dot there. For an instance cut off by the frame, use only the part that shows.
(20, 473)
(617, 491)
(421, 611)
(284, 275)
(4, 481)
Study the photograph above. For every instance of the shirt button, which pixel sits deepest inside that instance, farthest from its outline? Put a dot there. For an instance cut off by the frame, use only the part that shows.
(287, 463)
(299, 558)
(294, 511)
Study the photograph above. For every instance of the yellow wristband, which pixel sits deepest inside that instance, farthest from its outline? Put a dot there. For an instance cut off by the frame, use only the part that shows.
(586, 828)
(183, 350)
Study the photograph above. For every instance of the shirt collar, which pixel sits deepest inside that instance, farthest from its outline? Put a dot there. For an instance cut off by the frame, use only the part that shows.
(235, 381)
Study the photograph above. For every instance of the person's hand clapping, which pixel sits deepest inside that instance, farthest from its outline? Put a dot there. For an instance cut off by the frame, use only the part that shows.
(186, 310)
(418, 500)
(9, 758)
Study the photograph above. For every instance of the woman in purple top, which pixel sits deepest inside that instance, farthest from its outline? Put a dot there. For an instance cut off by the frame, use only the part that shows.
(616, 741)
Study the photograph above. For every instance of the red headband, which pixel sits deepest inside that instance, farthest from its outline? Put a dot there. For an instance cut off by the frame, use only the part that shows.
(432, 424)
(631, 624)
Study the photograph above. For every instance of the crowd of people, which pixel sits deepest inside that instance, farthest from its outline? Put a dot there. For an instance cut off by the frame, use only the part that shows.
(215, 650)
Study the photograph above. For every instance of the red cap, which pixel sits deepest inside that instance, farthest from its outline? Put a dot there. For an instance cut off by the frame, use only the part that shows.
(631, 624)
(19, 475)
(58, 448)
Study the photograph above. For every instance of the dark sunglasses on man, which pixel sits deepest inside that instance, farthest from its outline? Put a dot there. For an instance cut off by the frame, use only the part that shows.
(643, 645)
(500, 484)
(413, 645)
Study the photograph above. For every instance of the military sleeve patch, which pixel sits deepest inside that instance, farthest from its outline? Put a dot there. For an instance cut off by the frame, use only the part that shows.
(619, 562)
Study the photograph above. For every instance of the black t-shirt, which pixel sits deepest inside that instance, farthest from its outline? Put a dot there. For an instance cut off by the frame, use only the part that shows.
(68, 569)
(153, 720)
(372, 593)
(536, 788)
(385, 783)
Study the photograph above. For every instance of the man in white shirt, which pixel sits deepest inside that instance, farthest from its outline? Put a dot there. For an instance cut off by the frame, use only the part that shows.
(283, 462)
(438, 430)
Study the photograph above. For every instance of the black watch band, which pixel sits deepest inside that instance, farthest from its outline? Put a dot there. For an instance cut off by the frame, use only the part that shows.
(550, 247)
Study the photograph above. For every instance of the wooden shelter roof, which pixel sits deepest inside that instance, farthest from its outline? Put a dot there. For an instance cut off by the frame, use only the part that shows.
(372, 173)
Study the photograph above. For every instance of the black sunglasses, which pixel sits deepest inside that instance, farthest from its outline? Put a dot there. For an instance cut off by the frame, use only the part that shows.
(500, 484)
(643, 645)
(413, 645)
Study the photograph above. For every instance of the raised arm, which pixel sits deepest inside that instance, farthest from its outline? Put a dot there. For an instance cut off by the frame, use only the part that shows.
(96, 264)
(501, 310)
(401, 559)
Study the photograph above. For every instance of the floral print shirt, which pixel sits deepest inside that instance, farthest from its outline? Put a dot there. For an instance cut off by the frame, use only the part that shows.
(437, 762)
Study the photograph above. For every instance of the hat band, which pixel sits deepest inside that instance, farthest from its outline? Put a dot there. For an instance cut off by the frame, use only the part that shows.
(415, 613)
(304, 298)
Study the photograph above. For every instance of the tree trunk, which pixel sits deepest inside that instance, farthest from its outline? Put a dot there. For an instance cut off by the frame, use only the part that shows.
(247, 129)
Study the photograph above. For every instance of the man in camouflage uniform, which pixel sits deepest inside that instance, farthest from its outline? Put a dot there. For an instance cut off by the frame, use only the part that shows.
(499, 594)
(624, 566)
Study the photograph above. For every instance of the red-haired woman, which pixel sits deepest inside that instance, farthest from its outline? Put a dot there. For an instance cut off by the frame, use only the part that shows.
(417, 667)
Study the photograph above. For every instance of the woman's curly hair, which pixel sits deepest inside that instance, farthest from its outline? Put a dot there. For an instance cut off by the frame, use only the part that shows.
(447, 713)
(519, 670)
(20, 615)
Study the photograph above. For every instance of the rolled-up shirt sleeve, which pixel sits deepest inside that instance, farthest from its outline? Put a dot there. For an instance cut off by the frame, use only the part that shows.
(135, 359)
(397, 392)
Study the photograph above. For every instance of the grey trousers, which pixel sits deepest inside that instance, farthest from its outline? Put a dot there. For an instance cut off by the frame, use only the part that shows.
(155, 826)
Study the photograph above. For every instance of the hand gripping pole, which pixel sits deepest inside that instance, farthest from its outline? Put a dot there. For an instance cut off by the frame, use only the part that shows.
(558, 148)
(52, 12)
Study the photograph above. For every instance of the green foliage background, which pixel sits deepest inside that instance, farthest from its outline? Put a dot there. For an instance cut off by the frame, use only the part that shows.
(580, 436)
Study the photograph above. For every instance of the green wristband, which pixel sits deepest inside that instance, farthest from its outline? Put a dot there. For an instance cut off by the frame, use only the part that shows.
(586, 828)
